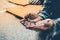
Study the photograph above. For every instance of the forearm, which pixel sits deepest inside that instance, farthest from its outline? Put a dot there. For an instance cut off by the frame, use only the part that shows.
(47, 10)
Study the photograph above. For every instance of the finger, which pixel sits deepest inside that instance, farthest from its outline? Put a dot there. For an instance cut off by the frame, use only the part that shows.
(27, 24)
(32, 24)
(22, 21)
(37, 19)
(41, 26)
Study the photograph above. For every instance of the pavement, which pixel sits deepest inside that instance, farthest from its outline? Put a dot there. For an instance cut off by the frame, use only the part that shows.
(11, 28)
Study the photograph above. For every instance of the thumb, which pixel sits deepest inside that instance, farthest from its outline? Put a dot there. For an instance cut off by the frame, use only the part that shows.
(36, 19)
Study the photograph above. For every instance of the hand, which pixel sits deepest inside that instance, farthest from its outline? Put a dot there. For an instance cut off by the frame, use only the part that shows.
(36, 19)
(38, 25)
(33, 17)
(43, 25)
(26, 23)
(48, 22)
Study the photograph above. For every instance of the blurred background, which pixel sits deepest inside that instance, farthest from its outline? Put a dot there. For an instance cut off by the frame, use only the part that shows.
(11, 28)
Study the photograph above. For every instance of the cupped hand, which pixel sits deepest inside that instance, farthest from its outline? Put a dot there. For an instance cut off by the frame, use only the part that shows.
(43, 25)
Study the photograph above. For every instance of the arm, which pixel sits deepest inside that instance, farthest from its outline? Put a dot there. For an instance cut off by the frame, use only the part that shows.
(56, 29)
(47, 10)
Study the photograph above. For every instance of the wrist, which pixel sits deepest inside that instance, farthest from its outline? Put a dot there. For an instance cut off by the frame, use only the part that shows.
(50, 23)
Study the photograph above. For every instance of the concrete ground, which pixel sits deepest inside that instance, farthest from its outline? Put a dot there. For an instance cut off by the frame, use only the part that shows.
(11, 28)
